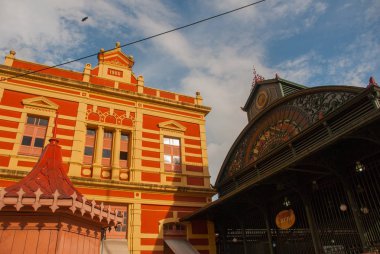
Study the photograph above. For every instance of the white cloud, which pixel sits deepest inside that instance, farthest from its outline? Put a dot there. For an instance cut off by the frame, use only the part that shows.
(300, 69)
(316, 12)
(372, 11)
(358, 61)
(38, 29)
(217, 152)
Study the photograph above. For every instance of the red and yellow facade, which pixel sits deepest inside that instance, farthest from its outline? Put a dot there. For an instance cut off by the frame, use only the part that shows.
(136, 148)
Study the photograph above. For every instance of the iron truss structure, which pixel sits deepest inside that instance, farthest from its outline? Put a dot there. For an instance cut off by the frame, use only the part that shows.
(315, 155)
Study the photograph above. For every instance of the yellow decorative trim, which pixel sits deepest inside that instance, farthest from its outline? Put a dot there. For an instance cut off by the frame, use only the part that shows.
(150, 158)
(40, 102)
(1, 93)
(10, 129)
(9, 118)
(103, 115)
(172, 125)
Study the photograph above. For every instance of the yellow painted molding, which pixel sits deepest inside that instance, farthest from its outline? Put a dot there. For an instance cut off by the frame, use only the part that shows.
(40, 102)
(12, 119)
(172, 125)
(57, 81)
(150, 158)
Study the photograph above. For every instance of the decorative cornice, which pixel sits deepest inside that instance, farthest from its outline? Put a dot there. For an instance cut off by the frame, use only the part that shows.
(15, 175)
(88, 87)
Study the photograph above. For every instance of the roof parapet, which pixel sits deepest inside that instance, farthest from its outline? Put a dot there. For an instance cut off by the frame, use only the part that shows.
(198, 98)
(9, 58)
(87, 73)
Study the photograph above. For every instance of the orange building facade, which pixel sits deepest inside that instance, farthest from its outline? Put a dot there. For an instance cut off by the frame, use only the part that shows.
(139, 149)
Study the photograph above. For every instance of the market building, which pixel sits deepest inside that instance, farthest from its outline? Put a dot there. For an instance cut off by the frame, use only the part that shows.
(138, 149)
(302, 177)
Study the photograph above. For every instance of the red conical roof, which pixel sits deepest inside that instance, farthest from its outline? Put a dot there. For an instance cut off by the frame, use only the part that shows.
(48, 181)
(48, 175)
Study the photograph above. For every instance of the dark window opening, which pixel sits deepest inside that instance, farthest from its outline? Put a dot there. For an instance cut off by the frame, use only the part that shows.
(26, 141)
(39, 142)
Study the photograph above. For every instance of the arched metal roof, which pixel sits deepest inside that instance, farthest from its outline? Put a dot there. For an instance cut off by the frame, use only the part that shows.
(280, 122)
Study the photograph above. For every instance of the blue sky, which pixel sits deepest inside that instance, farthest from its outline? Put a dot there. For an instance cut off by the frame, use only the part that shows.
(312, 42)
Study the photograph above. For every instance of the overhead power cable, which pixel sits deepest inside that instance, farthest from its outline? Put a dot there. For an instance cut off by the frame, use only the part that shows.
(137, 41)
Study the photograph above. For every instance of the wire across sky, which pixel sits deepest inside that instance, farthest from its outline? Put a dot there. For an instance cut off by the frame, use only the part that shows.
(139, 40)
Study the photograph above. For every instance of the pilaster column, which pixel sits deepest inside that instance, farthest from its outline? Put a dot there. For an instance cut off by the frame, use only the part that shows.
(134, 229)
(98, 152)
(212, 241)
(136, 152)
(79, 140)
(206, 173)
(116, 154)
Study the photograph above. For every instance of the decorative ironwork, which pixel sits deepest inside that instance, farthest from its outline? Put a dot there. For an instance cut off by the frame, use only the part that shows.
(276, 131)
(281, 123)
(319, 105)
(324, 209)
(238, 157)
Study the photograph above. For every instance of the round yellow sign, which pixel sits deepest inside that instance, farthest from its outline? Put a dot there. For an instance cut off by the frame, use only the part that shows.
(285, 219)
(262, 100)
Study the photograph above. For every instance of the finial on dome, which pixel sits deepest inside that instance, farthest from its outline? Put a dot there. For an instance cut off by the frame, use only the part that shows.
(372, 82)
(256, 77)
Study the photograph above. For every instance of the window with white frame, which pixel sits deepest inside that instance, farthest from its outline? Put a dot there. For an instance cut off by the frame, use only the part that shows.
(172, 154)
